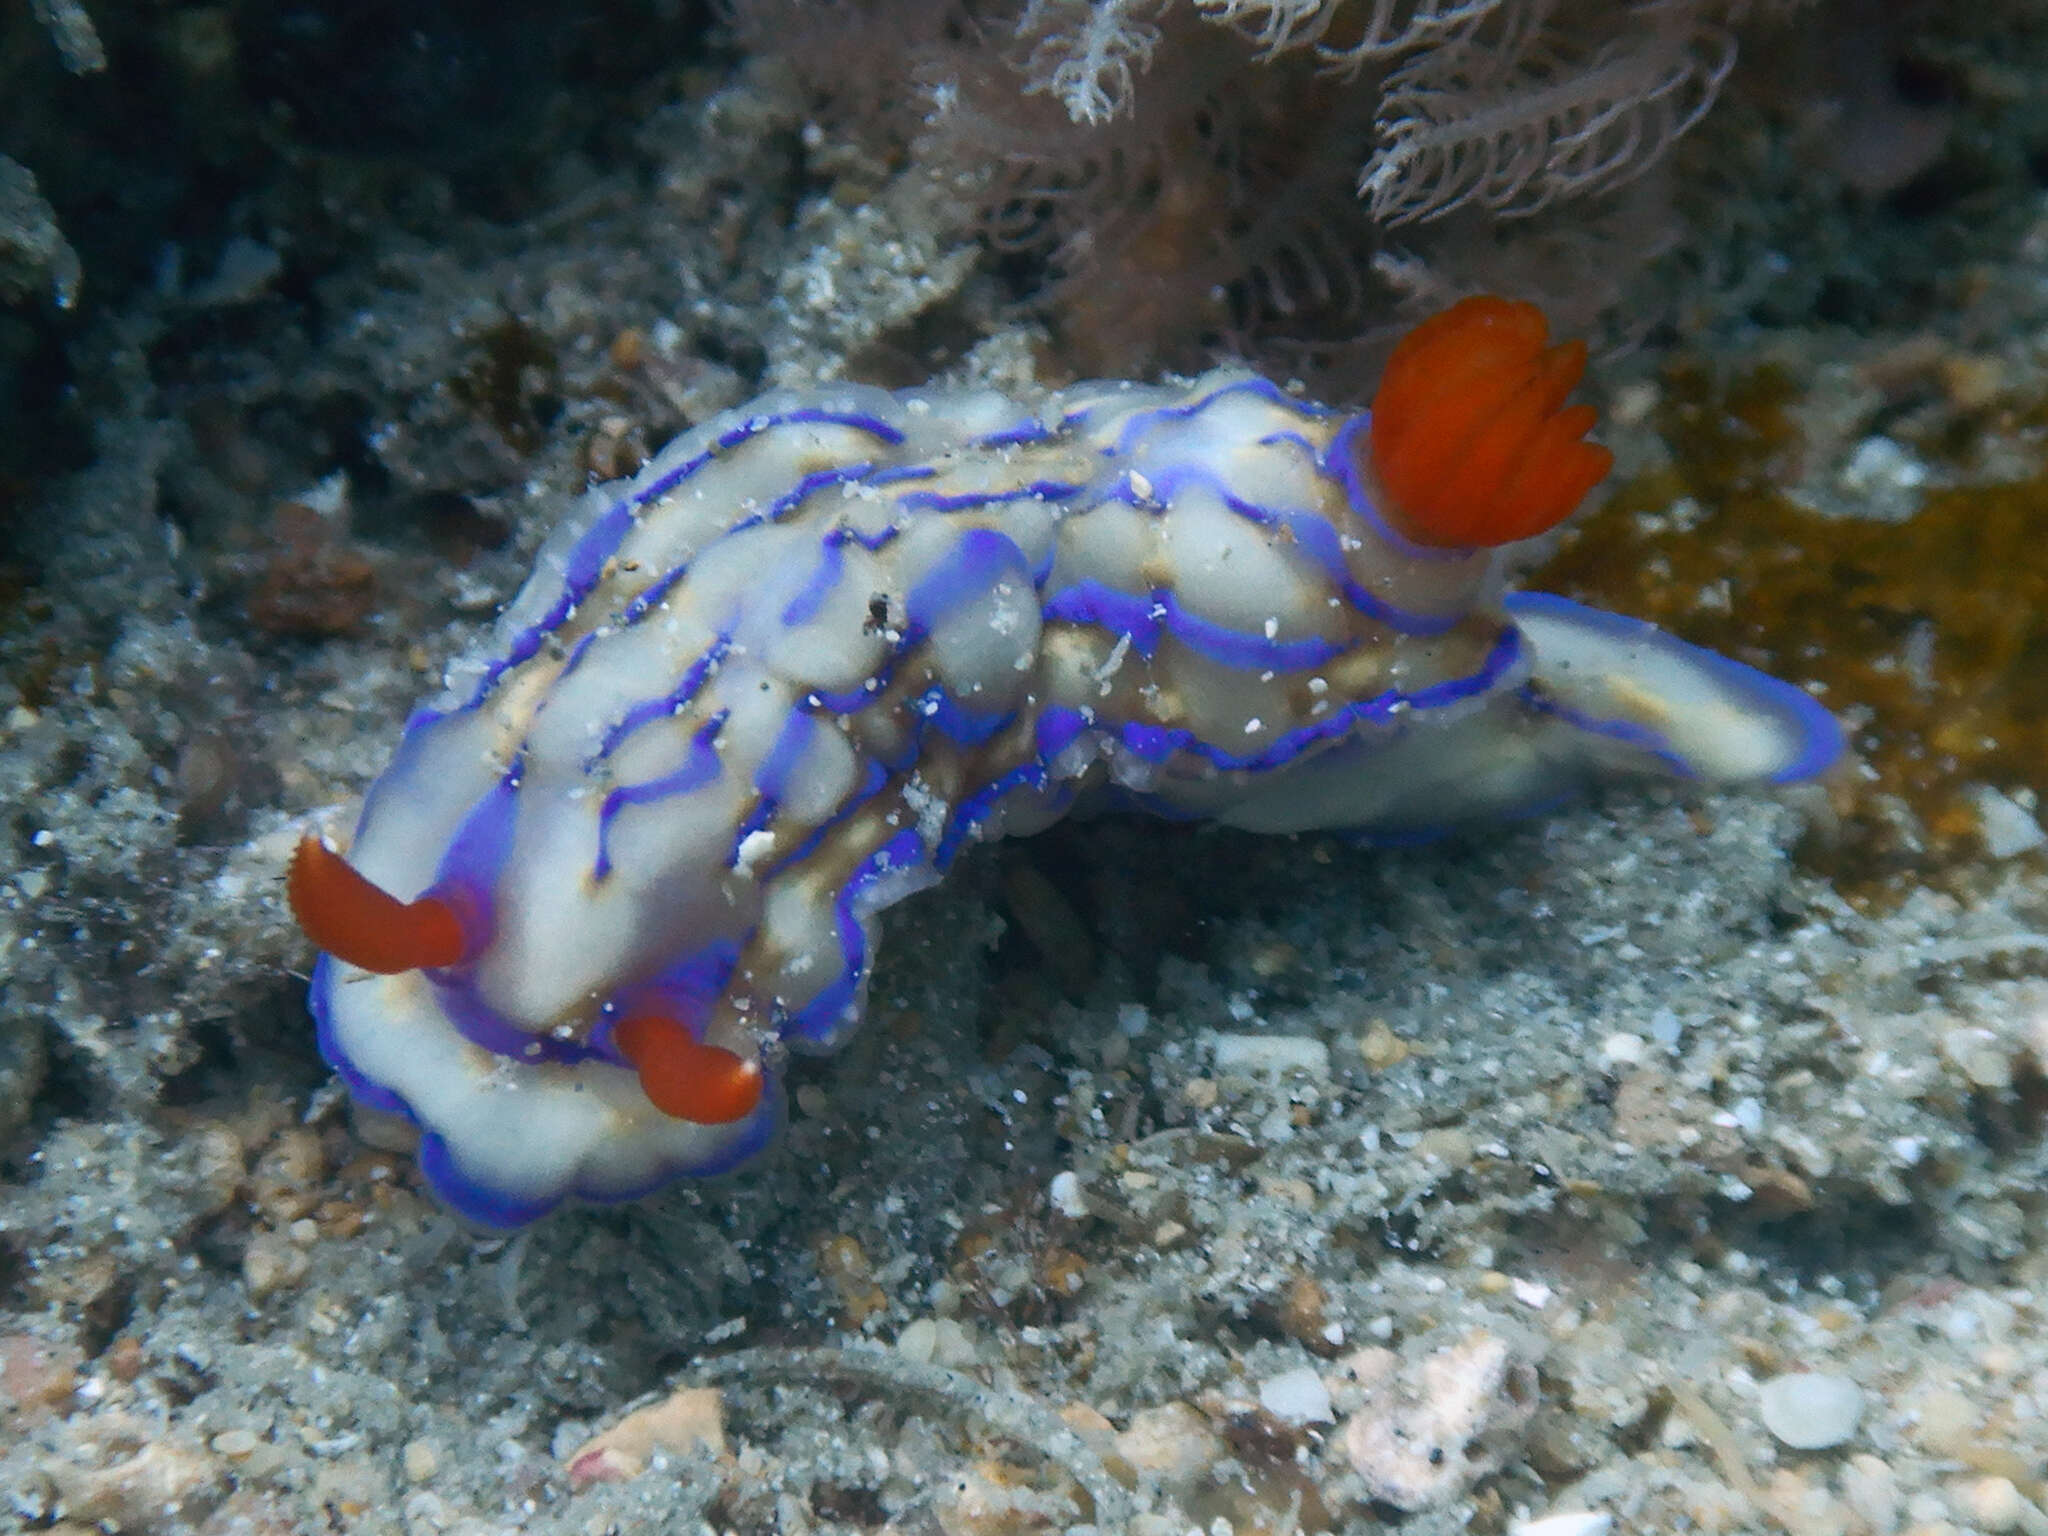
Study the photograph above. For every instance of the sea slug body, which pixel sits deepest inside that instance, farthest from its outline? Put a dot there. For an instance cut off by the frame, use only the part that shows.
(820, 645)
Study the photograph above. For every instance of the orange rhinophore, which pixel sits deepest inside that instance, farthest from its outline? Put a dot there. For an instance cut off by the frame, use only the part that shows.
(684, 1078)
(1472, 444)
(355, 920)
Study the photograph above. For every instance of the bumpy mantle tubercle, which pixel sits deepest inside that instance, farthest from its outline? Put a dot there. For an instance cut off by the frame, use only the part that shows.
(819, 645)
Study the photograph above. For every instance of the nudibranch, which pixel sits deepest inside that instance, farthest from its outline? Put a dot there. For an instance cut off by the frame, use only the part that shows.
(633, 854)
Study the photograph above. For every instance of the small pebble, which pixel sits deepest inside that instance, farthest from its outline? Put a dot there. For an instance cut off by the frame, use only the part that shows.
(1578, 1522)
(270, 1264)
(138, 1492)
(2008, 827)
(1996, 1504)
(1381, 1047)
(1172, 1442)
(124, 1358)
(1305, 1313)
(1091, 1424)
(1871, 1492)
(1880, 464)
(1068, 1197)
(1622, 1050)
(1976, 1052)
(953, 1346)
(1271, 1055)
(37, 1376)
(1632, 403)
(689, 1420)
(1811, 1410)
(919, 1340)
(1947, 1422)
(1296, 1397)
(1971, 382)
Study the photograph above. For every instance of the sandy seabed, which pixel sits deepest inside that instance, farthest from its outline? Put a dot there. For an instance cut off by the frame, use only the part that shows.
(1619, 1171)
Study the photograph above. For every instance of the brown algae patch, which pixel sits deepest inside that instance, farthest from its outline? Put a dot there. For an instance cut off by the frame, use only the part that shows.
(1929, 637)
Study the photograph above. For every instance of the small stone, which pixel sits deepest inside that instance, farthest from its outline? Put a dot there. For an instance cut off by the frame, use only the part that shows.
(2007, 827)
(1296, 1397)
(692, 1419)
(1881, 464)
(1971, 380)
(124, 1358)
(1296, 1192)
(1777, 1191)
(1172, 1442)
(918, 1341)
(1996, 1504)
(148, 1490)
(1305, 1314)
(1371, 1368)
(1067, 1195)
(1632, 403)
(37, 1376)
(285, 1185)
(1272, 1055)
(217, 1166)
(1381, 1047)
(271, 1264)
(1274, 959)
(1578, 1522)
(953, 1346)
(1802, 1504)
(1977, 1054)
(1062, 1272)
(235, 1444)
(1622, 1049)
(419, 1460)
(629, 349)
(1421, 1441)
(993, 1498)
(1872, 1493)
(844, 1264)
(425, 1510)
(1678, 1433)
(1947, 1422)
(1447, 1145)
(1091, 1424)
(1811, 1410)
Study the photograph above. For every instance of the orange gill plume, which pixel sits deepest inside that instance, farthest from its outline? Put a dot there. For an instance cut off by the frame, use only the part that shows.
(1472, 445)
